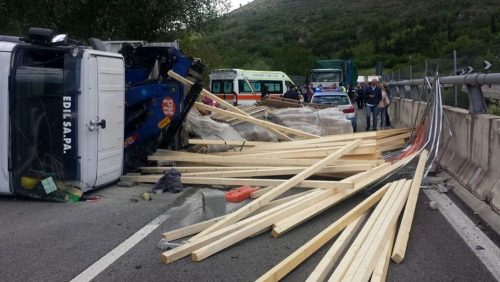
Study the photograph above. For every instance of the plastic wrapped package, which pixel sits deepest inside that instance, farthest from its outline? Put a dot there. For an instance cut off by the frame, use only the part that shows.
(206, 128)
(327, 121)
(252, 132)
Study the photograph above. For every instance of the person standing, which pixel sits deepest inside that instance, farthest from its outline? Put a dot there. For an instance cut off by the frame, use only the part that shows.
(382, 106)
(291, 93)
(265, 93)
(387, 119)
(359, 95)
(309, 92)
(372, 96)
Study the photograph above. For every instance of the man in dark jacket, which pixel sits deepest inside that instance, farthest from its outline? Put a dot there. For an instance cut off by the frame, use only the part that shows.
(372, 96)
(291, 93)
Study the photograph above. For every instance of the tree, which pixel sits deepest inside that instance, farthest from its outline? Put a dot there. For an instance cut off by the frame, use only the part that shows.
(112, 19)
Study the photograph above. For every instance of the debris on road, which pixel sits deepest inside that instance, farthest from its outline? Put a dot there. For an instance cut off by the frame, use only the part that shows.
(146, 196)
(433, 205)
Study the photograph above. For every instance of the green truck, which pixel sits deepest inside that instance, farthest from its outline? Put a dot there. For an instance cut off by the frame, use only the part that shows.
(328, 74)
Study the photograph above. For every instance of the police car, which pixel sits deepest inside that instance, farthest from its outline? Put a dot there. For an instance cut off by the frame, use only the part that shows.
(337, 99)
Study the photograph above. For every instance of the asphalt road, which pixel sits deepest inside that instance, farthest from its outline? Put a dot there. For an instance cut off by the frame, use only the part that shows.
(43, 241)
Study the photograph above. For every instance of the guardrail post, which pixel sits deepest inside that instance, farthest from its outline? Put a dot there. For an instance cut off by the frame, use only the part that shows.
(402, 92)
(414, 92)
(477, 104)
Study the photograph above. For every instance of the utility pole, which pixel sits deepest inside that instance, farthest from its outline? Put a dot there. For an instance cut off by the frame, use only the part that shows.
(455, 73)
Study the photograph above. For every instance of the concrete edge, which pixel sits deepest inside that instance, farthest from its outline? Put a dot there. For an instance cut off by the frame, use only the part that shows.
(479, 207)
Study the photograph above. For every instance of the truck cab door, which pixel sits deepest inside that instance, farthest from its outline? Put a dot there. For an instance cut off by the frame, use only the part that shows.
(109, 122)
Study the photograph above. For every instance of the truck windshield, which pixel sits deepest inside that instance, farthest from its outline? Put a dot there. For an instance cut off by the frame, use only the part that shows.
(36, 103)
(325, 76)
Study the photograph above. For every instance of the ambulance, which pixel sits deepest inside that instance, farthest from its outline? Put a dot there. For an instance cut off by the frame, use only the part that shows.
(243, 87)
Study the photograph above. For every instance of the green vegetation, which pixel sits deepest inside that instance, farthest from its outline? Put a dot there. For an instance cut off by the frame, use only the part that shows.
(289, 35)
(111, 19)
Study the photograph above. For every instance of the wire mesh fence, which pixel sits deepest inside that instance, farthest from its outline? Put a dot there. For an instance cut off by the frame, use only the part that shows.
(471, 60)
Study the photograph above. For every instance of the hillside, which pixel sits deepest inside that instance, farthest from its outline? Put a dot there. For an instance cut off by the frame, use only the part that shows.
(290, 34)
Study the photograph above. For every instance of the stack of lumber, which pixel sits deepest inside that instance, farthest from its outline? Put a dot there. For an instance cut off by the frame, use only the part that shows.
(271, 163)
(367, 256)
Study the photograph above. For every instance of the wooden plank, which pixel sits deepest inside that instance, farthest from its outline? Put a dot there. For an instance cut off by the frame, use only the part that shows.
(294, 220)
(255, 227)
(363, 265)
(265, 124)
(309, 248)
(190, 229)
(311, 152)
(293, 146)
(279, 171)
(380, 271)
(194, 169)
(236, 143)
(247, 161)
(331, 185)
(363, 234)
(222, 102)
(406, 222)
(368, 178)
(234, 161)
(326, 264)
(194, 244)
(198, 227)
(260, 192)
(283, 187)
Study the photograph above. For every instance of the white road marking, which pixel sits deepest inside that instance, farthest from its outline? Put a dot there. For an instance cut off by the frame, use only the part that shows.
(100, 265)
(488, 252)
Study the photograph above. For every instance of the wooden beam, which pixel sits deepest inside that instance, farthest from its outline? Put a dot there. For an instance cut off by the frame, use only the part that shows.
(322, 140)
(279, 171)
(283, 187)
(195, 169)
(302, 253)
(406, 222)
(235, 143)
(247, 161)
(293, 146)
(310, 152)
(346, 261)
(380, 271)
(326, 264)
(362, 266)
(255, 227)
(222, 102)
(294, 220)
(260, 192)
(265, 124)
(233, 160)
(194, 244)
(190, 229)
(198, 227)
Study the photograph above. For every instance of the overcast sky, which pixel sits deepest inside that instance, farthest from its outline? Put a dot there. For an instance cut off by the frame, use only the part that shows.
(236, 3)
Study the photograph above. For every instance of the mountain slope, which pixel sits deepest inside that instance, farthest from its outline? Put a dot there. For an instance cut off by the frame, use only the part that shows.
(290, 34)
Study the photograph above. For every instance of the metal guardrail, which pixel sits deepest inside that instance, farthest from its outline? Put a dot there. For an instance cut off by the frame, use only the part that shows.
(473, 83)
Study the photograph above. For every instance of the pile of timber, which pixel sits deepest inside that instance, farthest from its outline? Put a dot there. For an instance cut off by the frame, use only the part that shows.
(280, 102)
(251, 162)
(368, 254)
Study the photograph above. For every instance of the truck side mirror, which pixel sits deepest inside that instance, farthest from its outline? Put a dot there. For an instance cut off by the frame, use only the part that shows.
(60, 39)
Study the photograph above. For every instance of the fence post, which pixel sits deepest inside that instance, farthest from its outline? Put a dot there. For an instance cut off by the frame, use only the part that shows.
(455, 73)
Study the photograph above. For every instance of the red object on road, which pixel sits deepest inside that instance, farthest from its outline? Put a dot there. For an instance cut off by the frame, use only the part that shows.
(240, 194)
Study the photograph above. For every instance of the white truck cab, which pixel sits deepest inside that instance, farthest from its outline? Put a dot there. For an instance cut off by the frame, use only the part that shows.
(61, 115)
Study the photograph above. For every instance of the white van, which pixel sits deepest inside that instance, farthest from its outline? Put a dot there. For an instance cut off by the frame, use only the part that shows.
(246, 85)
